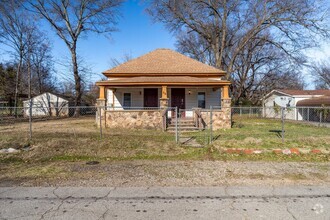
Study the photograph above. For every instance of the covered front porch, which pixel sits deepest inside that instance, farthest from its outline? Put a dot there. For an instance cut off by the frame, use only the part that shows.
(152, 105)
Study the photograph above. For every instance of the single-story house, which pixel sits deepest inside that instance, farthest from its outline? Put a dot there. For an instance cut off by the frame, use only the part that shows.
(143, 92)
(47, 104)
(301, 106)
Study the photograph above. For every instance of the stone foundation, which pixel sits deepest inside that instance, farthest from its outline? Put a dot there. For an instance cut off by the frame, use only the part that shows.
(134, 119)
(153, 119)
(221, 118)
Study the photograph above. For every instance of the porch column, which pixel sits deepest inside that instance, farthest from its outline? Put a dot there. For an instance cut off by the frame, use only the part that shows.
(101, 102)
(225, 91)
(226, 107)
(164, 98)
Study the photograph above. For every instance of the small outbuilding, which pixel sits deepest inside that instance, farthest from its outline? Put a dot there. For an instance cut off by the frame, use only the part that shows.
(47, 104)
(304, 105)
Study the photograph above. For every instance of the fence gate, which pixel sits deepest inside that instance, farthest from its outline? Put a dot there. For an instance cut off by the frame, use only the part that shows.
(193, 130)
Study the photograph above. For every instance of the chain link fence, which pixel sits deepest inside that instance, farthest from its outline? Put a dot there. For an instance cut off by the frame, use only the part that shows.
(191, 127)
(312, 115)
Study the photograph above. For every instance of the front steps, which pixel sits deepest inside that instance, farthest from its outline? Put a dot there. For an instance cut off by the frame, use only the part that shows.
(184, 125)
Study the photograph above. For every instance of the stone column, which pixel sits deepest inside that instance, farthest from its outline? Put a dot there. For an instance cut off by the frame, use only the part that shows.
(164, 98)
(100, 104)
(226, 107)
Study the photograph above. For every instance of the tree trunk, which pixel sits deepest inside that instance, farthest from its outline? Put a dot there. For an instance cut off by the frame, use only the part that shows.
(77, 80)
(29, 94)
(18, 73)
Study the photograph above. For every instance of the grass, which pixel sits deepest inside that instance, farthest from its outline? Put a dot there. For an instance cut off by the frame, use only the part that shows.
(59, 142)
(79, 140)
(266, 134)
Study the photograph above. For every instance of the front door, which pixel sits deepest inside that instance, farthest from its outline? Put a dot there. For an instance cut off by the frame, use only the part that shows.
(178, 98)
(151, 98)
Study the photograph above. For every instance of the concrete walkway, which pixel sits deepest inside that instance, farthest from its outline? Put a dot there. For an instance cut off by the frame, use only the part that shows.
(248, 202)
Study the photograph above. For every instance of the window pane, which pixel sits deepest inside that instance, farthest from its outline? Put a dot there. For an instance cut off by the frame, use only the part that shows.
(201, 100)
(127, 99)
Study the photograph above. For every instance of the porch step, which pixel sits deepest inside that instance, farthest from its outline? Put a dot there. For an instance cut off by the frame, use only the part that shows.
(182, 125)
(183, 129)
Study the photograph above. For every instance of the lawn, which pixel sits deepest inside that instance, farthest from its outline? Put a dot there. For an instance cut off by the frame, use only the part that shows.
(79, 140)
(266, 133)
(60, 149)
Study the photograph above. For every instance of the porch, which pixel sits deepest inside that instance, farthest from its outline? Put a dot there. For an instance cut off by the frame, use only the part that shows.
(159, 107)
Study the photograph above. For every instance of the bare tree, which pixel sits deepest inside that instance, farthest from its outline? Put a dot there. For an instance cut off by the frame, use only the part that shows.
(321, 73)
(42, 65)
(13, 29)
(116, 62)
(72, 19)
(236, 35)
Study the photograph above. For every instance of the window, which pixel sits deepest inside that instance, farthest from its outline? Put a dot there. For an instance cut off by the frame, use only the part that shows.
(201, 100)
(127, 100)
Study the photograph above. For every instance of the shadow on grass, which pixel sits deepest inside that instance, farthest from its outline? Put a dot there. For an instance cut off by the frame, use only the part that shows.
(278, 132)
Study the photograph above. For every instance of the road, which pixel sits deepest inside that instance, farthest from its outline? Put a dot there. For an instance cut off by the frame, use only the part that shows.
(232, 202)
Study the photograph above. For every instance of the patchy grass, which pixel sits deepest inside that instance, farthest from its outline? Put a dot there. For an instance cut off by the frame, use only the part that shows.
(266, 133)
(76, 141)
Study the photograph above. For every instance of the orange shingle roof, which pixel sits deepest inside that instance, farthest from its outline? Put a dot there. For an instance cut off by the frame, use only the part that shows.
(163, 61)
(163, 80)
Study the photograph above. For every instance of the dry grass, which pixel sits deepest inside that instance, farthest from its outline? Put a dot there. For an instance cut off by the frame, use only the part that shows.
(81, 138)
(266, 133)
(59, 149)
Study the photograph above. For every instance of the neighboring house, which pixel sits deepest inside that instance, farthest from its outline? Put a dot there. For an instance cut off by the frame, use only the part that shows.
(301, 100)
(161, 79)
(47, 104)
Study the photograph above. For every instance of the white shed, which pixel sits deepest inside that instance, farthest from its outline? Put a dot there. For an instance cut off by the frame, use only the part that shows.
(47, 104)
(271, 110)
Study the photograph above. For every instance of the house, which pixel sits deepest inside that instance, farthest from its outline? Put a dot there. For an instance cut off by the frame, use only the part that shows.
(47, 104)
(302, 103)
(143, 92)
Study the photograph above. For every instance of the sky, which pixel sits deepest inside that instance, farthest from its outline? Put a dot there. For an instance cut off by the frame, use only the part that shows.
(137, 34)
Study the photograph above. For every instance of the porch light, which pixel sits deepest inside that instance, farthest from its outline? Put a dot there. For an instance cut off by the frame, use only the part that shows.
(189, 92)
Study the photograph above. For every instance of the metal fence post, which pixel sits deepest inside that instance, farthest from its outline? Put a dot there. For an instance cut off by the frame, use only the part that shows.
(307, 114)
(282, 124)
(211, 124)
(100, 116)
(176, 126)
(30, 120)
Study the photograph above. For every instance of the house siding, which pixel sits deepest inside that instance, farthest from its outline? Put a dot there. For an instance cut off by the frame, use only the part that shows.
(213, 98)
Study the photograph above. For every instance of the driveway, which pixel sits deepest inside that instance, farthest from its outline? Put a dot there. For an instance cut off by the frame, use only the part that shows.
(232, 202)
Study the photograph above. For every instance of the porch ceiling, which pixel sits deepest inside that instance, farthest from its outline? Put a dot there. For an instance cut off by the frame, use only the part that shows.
(163, 81)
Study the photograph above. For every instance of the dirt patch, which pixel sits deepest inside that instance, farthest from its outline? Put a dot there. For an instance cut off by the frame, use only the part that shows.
(172, 173)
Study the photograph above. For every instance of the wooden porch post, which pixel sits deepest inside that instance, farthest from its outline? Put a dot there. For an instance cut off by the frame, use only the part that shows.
(225, 94)
(102, 92)
(164, 98)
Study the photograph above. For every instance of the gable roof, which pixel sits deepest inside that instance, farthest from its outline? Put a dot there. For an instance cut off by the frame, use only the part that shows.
(49, 96)
(163, 62)
(321, 92)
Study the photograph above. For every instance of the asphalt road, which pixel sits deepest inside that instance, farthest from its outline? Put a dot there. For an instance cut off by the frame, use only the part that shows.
(248, 202)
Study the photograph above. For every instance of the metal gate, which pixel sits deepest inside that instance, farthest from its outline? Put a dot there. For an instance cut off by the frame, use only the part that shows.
(194, 127)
